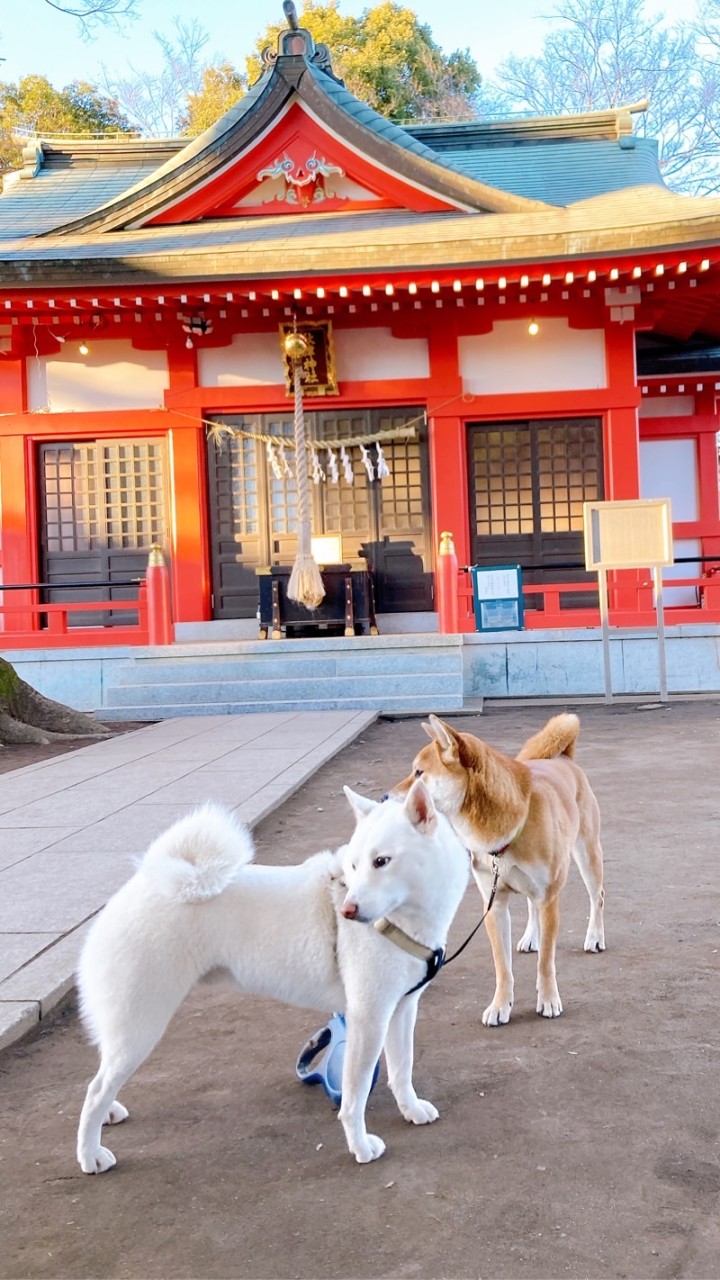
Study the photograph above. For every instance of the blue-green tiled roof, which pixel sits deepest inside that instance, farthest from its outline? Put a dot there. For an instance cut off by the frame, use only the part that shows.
(379, 125)
(562, 172)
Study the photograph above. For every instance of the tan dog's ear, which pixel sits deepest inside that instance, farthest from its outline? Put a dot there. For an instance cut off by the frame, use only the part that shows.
(446, 739)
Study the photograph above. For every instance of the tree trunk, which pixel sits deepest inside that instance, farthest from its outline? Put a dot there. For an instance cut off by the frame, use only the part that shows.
(27, 716)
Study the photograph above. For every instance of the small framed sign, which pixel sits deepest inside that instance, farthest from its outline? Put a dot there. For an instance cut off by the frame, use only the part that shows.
(318, 366)
(636, 534)
(497, 594)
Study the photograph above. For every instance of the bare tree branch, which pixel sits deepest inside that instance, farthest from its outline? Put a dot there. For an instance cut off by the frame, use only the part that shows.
(606, 53)
(91, 12)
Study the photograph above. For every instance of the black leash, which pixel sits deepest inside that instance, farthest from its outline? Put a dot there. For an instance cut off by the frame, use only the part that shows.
(438, 959)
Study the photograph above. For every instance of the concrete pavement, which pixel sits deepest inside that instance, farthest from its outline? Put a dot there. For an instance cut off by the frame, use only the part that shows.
(71, 827)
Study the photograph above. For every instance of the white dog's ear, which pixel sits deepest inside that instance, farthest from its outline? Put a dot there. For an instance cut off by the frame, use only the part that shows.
(361, 805)
(446, 739)
(420, 809)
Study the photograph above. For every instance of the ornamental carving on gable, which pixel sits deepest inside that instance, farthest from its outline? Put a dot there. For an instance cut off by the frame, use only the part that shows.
(302, 183)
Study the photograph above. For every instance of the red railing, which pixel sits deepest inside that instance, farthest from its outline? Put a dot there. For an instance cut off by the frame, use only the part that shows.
(544, 601)
(53, 631)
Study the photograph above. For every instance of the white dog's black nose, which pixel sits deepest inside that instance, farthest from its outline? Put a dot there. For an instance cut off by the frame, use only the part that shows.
(349, 910)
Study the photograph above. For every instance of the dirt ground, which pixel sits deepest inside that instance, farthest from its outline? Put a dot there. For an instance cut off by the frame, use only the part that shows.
(585, 1146)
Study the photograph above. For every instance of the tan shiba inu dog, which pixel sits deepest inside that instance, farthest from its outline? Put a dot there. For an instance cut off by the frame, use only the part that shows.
(528, 816)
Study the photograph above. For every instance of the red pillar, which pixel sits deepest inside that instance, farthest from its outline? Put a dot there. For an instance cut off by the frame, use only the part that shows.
(17, 530)
(622, 447)
(191, 587)
(190, 575)
(448, 458)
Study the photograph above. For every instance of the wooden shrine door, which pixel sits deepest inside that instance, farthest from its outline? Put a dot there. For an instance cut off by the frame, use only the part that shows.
(528, 481)
(253, 514)
(103, 504)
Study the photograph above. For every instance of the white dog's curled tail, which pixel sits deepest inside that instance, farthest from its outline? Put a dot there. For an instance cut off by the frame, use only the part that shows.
(199, 855)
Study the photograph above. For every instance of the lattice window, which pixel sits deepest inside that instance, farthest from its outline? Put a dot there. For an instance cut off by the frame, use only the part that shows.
(346, 507)
(242, 511)
(401, 503)
(102, 496)
(71, 499)
(282, 490)
(502, 481)
(132, 473)
(569, 473)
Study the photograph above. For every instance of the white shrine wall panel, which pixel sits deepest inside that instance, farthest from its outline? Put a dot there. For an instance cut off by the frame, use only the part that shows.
(113, 375)
(669, 469)
(370, 355)
(509, 359)
(251, 360)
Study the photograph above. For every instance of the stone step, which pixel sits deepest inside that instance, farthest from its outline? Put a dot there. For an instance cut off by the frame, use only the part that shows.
(442, 705)
(261, 692)
(282, 666)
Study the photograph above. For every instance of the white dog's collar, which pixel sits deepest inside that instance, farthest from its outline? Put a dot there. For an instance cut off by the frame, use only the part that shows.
(395, 934)
(433, 960)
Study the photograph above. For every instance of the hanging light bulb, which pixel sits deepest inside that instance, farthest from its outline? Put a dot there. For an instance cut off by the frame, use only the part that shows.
(84, 349)
(533, 328)
(189, 343)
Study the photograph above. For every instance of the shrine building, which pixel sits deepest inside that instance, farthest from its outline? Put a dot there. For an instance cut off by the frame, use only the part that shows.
(505, 319)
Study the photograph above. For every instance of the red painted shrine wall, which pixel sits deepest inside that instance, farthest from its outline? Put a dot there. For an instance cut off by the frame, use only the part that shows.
(449, 411)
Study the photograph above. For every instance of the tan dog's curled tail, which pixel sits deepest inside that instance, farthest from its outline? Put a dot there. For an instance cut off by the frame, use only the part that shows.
(557, 738)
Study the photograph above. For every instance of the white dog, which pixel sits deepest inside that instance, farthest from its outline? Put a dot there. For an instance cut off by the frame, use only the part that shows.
(303, 934)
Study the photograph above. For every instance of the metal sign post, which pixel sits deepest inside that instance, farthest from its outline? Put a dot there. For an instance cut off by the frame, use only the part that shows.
(636, 534)
(605, 624)
(661, 632)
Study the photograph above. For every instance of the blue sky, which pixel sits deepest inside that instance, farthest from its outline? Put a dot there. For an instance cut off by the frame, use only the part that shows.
(36, 39)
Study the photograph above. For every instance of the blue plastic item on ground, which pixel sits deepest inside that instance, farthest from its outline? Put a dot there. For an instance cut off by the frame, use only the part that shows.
(321, 1059)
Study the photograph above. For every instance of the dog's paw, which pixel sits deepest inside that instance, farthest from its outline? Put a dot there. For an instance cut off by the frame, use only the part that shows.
(528, 942)
(421, 1112)
(98, 1161)
(371, 1148)
(496, 1015)
(594, 941)
(550, 1006)
(116, 1114)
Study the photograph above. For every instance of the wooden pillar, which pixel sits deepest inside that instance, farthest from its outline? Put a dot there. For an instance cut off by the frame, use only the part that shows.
(708, 491)
(448, 454)
(190, 580)
(622, 448)
(17, 529)
(189, 537)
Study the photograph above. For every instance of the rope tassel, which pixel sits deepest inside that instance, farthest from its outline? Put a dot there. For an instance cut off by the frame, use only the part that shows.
(306, 585)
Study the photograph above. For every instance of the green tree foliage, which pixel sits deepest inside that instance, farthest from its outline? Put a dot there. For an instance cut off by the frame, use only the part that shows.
(608, 53)
(32, 105)
(222, 86)
(389, 59)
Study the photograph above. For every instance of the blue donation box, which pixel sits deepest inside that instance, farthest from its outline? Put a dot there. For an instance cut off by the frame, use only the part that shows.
(497, 593)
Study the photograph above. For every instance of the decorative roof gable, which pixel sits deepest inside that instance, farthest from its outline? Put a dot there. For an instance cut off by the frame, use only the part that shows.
(298, 143)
